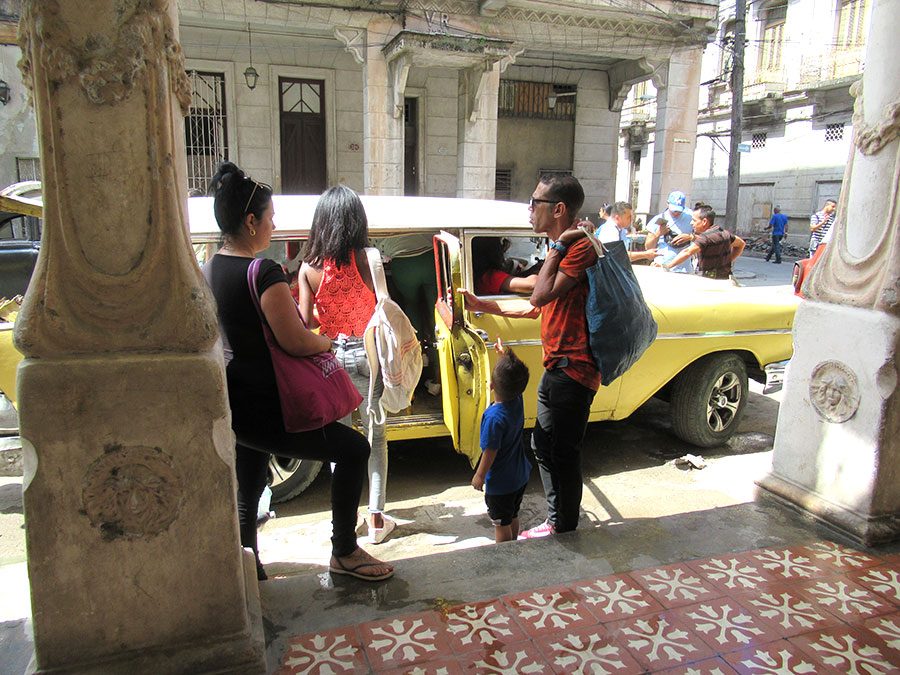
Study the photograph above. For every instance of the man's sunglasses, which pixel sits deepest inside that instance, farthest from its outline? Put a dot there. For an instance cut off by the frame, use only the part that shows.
(533, 201)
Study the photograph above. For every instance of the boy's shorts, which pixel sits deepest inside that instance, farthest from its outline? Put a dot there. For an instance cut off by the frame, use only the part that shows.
(503, 508)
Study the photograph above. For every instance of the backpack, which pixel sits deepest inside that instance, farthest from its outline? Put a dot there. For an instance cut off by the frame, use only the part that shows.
(391, 346)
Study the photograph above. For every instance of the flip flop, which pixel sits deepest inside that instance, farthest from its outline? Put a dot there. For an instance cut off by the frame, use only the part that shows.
(354, 571)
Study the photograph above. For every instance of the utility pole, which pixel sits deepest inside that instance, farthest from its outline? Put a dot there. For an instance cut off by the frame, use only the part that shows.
(737, 115)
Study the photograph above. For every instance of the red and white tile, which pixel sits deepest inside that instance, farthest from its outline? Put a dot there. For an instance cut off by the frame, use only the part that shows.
(789, 612)
(481, 624)
(441, 667)
(849, 650)
(658, 641)
(675, 585)
(549, 610)
(731, 573)
(590, 651)
(841, 558)
(724, 624)
(775, 657)
(522, 657)
(843, 598)
(788, 563)
(714, 666)
(616, 597)
(887, 628)
(328, 652)
(404, 640)
(883, 580)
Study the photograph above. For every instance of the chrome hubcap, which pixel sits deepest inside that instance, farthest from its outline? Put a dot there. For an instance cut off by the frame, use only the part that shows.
(723, 402)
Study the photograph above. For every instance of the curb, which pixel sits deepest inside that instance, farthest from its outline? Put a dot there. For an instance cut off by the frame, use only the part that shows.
(11, 456)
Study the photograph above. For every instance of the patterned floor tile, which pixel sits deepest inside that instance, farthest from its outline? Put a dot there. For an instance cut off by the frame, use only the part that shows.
(659, 641)
(788, 563)
(333, 651)
(731, 573)
(841, 558)
(404, 640)
(849, 650)
(887, 628)
(549, 610)
(775, 657)
(522, 657)
(725, 625)
(481, 624)
(844, 599)
(675, 585)
(787, 611)
(442, 667)
(714, 666)
(590, 651)
(884, 580)
(616, 597)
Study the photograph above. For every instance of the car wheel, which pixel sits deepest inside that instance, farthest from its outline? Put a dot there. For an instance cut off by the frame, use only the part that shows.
(289, 477)
(708, 400)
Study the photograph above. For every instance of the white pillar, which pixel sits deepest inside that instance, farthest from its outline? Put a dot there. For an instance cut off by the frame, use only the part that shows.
(382, 122)
(837, 448)
(675, 138)
(477, 132)
(596, 142)
(133, 551)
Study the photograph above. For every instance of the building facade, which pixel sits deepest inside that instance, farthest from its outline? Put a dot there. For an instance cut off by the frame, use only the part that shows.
(474, 98)
(801, 57)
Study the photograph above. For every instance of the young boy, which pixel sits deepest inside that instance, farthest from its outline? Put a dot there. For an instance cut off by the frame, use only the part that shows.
(503, 470)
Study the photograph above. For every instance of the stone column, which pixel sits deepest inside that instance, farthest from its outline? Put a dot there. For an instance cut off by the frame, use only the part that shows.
(596, 142)
(133, 550)
(837, 449)
(677, 96)
(476, 173)
(383, 86)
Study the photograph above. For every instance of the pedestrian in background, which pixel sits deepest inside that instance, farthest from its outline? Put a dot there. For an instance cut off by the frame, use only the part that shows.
(504, 469)
(716, 248)
(778, 224)
(669, 232)
(819, 224)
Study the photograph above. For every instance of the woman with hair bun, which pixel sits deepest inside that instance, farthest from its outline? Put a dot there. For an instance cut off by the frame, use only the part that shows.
(244, 211)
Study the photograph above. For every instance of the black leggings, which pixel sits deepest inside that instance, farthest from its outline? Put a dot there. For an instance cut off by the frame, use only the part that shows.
(335, 443)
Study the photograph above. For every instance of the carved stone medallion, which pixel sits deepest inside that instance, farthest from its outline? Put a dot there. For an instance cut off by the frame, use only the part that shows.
(834, 391)
(132, 492)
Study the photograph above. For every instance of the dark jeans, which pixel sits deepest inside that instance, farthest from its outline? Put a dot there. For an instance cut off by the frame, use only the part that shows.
(563, 406)
(337, 443)
(775, 248)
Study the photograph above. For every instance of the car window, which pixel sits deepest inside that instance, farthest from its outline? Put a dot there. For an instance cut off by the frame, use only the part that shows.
(14, 228)
(495, 259)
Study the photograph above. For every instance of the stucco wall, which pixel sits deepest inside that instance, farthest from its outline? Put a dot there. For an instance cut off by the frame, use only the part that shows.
(527, 145)
(18, 132)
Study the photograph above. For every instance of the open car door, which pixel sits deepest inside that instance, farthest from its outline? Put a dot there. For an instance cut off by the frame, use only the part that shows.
(462, 354)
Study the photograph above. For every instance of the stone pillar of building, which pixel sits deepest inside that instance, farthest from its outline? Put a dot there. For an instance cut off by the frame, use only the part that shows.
(837, 448)
(383, 86)
(596, 142)
(134, 557)
(675, 137)
(479, 87)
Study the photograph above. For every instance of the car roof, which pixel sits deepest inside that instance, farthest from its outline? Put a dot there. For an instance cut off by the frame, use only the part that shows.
(21, 199)
(386, 215)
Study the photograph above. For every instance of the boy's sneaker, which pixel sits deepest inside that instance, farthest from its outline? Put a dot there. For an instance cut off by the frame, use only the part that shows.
(545, 529)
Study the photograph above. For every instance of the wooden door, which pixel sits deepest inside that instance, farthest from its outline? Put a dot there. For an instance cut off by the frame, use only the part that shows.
(303, 148)
(411, 146)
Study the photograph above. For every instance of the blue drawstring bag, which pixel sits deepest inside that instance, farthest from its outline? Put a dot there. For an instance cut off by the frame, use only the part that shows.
(620, 324)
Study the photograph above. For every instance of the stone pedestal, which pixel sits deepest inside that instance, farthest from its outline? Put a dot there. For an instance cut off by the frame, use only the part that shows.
(133, 549)
(837, 449)
(675, 137)
(477, 131)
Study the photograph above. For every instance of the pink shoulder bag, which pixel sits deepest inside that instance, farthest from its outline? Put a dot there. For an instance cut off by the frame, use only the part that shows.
(314, 390)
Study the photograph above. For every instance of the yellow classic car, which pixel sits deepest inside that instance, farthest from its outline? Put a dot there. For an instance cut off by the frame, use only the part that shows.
(712, 335)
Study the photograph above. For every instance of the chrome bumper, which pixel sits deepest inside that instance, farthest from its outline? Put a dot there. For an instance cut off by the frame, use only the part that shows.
(775, 376)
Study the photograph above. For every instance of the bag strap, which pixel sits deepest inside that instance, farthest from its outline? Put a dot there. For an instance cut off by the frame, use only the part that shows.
(599, 248)
(252, 276)
(376, 268)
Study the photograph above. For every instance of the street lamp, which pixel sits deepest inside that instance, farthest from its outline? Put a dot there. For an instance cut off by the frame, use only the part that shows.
(250, 75)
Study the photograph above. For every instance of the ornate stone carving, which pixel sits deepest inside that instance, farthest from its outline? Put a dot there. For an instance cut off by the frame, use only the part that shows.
(834, 391)
(871, 138)
(116, 271)
(132, 492)
(354, 39)
(108, 72)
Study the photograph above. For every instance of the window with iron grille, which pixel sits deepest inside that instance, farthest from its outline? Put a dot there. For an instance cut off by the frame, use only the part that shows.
(851, 20)
(759, 140)
(503, 184)
(834, 132)
(205, 129)
(536, 100)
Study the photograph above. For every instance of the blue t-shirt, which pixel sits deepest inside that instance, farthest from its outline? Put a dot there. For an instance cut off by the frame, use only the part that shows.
(778, 221)
(665, 252)
(501, 430)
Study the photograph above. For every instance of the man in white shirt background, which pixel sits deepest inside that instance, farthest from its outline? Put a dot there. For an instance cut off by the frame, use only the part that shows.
(670, 232)
(616, 229)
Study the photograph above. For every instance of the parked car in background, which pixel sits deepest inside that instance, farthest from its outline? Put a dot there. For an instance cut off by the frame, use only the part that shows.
(20, 236)
(802, 268)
